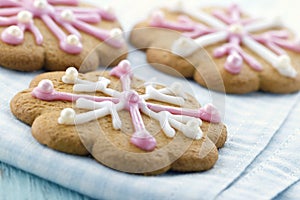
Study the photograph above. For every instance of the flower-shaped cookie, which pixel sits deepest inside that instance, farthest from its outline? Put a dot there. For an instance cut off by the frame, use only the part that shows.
(124, 123)
(57, 34)
(249, 54)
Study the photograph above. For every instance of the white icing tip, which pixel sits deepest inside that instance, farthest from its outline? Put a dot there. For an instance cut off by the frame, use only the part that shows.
(236, 28)
(73, 40)
(14, 31)
(184, 46)
(46, 86)
(284, 66)
(41, 4)
(67, 116)
(108, 9)
(67, 15)
(25, 16)
(192, 129)
(116, 32)
(70, 76)
(177, 7)
(157, 17)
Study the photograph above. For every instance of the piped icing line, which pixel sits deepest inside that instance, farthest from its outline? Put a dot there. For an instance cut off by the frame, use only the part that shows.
(202, 16)
(207, 113)
(9, 11)
(188, 121)
(228, 25)
(106, 13)
(65, 2)
(10, 3)
(21, 13)
(45, 91)
(281, 63)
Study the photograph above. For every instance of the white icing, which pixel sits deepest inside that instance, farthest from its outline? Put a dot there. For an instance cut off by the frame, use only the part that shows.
(281, 63)
(186, 124)
(284, 66)
(177, 7)
(41, 4)
(108, 9)
(70, 76)
(263, 25)
(67, 116)
(189, 126)
(152, 93)
(73, 40)
(46, 86)
(99, 109)
(67, 15)
(190, 130)
(14, 31)
(100, 86)
(184, 46)
(24, 16)
(211, 38)
(116, 33)
(204, 17)
(236, 28)
(176, 89)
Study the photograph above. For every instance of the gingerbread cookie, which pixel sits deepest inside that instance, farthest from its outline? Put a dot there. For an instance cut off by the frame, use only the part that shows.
(55, 34)
(124, 123)
(249, 54)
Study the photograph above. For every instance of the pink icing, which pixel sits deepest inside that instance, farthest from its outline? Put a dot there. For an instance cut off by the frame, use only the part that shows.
(131, 101)
(50, 14)
(274, 40)
(207, 113)
(46, 92)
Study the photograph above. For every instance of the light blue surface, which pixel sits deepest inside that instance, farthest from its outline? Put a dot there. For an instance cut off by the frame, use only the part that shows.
(243, 169)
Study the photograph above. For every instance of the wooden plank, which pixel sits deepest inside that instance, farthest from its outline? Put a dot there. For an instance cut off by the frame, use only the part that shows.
(17, 184)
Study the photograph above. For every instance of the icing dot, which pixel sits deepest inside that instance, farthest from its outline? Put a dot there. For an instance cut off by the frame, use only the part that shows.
(67, 116)
(73, 40)
(46, 86)
(25, 16)
(108, 9)
(40, 4)
(67, 15)
(284, 61)
(236, 28)
(158, 17)
(14, 31)
(70, 76)
(115, 33)
(178, 7)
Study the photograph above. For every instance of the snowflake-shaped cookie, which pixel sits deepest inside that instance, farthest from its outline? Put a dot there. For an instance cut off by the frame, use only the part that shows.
(56, 34)
(124, 123)
(250, 54)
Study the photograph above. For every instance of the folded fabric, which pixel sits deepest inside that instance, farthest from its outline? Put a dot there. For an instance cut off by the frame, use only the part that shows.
(291, 193)
(275, 169)
(252, 121)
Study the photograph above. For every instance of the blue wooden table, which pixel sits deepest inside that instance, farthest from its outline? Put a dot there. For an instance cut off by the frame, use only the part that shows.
(16, 184)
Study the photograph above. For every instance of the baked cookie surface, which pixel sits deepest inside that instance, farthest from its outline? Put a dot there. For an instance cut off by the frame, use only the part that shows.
(54, 35)
(122, 122)
(248, 54)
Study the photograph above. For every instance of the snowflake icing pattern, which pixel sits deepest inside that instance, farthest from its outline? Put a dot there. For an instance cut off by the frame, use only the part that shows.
(188, 121)
(230, 26)
(18, 16)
